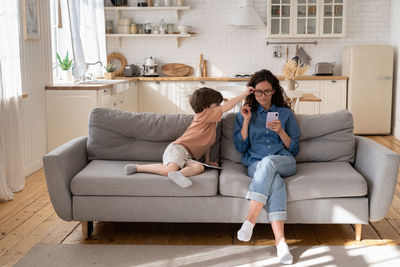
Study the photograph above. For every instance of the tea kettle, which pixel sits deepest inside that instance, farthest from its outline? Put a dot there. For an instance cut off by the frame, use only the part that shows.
(149, 68)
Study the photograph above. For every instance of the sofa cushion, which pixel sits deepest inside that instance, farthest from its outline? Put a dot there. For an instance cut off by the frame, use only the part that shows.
(120, 135)
(107, 178)
(312, 180)
(326, 137)
(323, 137)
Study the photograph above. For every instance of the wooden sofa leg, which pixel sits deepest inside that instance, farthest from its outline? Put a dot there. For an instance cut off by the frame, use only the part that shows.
(87, 228)
(358, 231)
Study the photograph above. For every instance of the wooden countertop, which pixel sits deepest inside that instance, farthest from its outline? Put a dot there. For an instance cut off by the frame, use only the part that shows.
(97, 86)
(229, 79)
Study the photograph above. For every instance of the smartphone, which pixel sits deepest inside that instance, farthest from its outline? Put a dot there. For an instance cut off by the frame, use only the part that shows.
(271, 116)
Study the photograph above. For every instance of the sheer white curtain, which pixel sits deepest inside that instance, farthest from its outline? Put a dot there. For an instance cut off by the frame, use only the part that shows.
(11, 162)
(88, 35)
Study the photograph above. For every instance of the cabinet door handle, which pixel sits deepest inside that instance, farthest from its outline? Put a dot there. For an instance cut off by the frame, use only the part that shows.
(333, 81)
(122, 101)
(202, 82)
(157, 82)
(115, 104)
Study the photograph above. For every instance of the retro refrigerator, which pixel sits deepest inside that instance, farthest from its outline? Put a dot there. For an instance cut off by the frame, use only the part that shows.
(369, 88)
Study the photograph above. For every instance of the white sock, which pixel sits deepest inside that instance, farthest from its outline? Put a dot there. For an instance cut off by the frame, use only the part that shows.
(179, 179)
(245, 232)
(284, 253)
(130, 169)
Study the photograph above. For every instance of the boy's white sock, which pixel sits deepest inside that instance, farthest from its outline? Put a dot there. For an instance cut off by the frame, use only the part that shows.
(245, 232)
(284, 255)
(179, 179)
(130, 169)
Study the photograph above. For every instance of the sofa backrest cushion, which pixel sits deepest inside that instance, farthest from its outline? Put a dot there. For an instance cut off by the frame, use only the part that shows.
(323, 137)
(120, 135)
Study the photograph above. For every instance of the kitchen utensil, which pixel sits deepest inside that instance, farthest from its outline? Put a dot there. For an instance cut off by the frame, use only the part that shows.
(204, 68)
(304, 57)
(176, 70)
(324, 68)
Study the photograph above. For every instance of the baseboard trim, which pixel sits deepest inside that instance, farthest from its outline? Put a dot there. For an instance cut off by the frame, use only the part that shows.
(396, 132)
(32, 167)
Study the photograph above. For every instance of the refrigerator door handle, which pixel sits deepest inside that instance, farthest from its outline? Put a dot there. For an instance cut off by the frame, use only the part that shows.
(384, 78)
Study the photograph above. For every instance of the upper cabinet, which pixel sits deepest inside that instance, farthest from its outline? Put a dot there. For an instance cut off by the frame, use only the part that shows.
(306, 18)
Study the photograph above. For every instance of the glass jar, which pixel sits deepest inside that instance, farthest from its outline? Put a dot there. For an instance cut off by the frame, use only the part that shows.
(148, 28)
(157, 3)
(163, 27)
(170, 28)
(142, 3)
(140, 28)
(180, 2)
(167, 2)
(109, 26)
(133, 28)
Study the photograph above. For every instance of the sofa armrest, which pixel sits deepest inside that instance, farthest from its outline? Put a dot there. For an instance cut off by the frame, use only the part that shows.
(380, 167)
(60, 166)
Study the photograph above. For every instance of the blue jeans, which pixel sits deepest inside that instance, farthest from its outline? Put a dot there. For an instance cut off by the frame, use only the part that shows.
(268, 186)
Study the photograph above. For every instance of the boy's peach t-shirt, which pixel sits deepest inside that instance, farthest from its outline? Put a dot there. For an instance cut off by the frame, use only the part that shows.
(200, 135)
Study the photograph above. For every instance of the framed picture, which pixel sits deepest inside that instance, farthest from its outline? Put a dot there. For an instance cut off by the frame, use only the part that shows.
(31, 22)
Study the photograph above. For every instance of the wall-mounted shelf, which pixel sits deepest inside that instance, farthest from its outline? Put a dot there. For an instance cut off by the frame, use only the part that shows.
(118, 9)
(176, 36)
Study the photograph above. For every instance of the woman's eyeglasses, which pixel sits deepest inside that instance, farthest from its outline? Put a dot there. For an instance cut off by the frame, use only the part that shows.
(263, 92)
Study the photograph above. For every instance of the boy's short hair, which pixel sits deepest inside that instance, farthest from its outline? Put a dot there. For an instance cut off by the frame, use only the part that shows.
(203, 97)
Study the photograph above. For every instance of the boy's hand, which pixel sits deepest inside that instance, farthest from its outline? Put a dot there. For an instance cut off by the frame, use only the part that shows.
(249, 90)
(246, 112)
(212, 163)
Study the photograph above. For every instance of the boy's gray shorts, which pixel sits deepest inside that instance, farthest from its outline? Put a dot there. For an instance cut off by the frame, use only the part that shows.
(177, 154)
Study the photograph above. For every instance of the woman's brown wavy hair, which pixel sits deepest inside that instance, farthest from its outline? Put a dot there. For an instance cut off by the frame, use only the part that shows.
(279, 97)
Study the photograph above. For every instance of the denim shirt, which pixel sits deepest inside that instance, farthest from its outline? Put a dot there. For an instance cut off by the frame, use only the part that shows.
(262, 141)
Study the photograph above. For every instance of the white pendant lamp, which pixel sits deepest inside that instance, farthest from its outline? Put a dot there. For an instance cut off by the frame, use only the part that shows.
(245, 16)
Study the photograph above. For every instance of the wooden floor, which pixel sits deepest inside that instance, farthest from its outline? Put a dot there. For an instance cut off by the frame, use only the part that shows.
(30, 219)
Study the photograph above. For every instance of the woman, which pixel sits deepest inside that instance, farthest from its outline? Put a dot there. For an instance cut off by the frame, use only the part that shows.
(268, 149)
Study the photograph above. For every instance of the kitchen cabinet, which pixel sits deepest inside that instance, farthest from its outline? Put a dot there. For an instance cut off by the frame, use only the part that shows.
(331, 92)
(306, 18)
(333, 95)
(127, 10)
(67, 111)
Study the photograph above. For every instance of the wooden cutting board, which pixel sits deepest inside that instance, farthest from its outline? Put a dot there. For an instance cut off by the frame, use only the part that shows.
(176, 70)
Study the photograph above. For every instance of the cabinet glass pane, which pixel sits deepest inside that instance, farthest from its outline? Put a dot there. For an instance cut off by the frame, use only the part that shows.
(275, 26)
(301, 11)
(302, 1)
(339, 1)
(276, 1)
(327, 11)
(285, 26)
(275, 11)
(327, 26)
(285, 11)
(338, 10)
(312, 11)
(337, 26)
(328, 1)
(312, 1)
(285, 1)
(311, 26)
(301, 26)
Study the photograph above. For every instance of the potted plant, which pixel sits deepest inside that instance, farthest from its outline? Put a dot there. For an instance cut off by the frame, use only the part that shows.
(110, 68)
(65, 65)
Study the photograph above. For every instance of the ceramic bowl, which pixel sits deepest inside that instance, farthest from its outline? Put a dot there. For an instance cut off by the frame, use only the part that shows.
(184, 28)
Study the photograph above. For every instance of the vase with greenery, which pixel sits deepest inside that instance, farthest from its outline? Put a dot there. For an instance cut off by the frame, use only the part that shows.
(66, 67)
(110, 68)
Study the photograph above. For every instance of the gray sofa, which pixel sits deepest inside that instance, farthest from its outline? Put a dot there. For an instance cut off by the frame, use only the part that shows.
(341, 178)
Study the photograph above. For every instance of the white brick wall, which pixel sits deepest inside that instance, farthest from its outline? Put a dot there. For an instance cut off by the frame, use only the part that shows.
(230, 51)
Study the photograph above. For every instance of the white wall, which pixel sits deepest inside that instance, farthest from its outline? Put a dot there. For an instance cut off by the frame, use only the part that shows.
(231, 51)
(395, 41)
(36, 72)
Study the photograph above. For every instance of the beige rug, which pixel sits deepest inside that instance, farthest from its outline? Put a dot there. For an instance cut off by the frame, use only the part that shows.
(149, 255)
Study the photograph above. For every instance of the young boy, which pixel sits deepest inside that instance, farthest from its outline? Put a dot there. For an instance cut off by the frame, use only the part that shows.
(195, 142)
